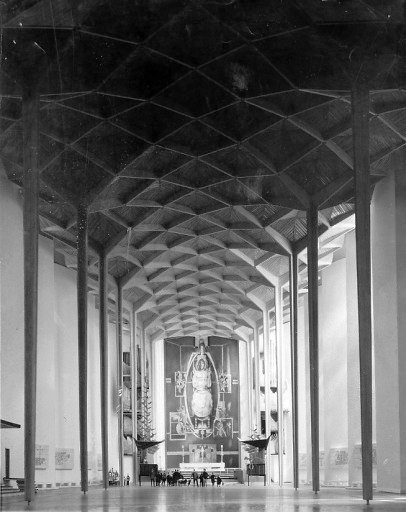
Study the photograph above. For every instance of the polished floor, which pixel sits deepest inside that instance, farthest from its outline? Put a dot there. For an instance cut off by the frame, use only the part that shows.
(229, 498)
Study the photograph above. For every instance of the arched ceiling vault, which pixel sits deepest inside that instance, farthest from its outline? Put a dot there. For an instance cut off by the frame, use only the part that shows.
(198, 133)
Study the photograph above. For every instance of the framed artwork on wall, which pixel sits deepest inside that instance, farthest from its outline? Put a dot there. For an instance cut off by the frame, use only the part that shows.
(41, 456)
(64, 458)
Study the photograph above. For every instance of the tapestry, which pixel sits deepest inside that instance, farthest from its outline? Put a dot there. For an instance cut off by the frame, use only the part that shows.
(63, 458)
(357, 456)
(338, 457)
(202, 401)
(41, 456)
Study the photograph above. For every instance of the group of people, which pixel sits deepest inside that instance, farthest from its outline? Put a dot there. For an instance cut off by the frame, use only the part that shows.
(177, 479)
(113, 477)
(203, 477)
(161, 478)
(115, 480)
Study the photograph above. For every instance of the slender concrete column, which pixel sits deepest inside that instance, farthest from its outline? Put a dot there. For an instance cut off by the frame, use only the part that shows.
(245, 417)
(134, 404)
(152, 391)
(250, 384)
(82, 340)
(257, 381)
(360, 130)
(306, 388)
(120, 379)
(267, 385)
(103, 318)
(157, 377)
(143, 373)
(279, 371)
(31, 225)
(245, 357)
(312, 269)
(293, 275)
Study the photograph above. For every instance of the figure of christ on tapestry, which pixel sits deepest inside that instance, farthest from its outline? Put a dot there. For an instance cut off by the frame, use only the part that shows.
(202, 399)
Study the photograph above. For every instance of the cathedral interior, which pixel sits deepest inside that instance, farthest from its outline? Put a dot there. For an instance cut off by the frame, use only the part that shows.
(201, 265)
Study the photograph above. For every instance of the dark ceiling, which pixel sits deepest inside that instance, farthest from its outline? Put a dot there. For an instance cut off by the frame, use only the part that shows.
(198, 132)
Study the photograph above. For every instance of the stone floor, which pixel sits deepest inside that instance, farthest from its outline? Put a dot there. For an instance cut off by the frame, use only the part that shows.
(229, 498)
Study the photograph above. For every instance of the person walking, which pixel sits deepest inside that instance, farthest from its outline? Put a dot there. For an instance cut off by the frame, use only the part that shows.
(195, 477)
(176, 477)
(158, 479)
(205, 477)
(153, 477)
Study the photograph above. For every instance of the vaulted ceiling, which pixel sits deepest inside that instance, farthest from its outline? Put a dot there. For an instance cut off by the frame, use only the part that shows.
(198, 133)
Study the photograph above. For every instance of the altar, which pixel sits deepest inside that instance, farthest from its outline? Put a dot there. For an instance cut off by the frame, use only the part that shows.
(210, 467)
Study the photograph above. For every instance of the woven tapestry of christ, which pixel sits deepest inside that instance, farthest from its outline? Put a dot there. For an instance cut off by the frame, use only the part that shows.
(202, 401)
